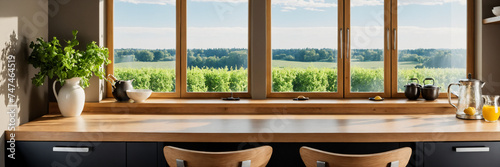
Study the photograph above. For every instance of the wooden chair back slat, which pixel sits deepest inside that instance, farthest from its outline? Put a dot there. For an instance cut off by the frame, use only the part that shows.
(259, 157)
(311, 156)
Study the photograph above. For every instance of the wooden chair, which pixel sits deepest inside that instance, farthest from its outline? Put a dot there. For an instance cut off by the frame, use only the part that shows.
(317, 158)
(255, 157)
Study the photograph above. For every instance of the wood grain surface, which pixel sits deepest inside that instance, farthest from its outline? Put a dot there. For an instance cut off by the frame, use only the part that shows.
(257, 128)
(268, 106)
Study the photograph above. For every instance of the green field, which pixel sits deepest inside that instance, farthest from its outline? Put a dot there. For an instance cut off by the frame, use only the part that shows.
(275, 63)
(138, 65)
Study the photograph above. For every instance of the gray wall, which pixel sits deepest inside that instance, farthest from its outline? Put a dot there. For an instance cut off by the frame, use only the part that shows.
(84, 16)
(488, 38)
(21, 21)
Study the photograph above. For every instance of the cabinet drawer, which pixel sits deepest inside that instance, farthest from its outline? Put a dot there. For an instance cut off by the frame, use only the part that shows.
(69, 154)
(458, 154)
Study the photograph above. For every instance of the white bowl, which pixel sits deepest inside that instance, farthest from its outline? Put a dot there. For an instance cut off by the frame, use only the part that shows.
(496, 11)
(139, 95)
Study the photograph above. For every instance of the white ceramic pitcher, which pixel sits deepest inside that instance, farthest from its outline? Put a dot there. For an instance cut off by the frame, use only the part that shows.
(71, 97)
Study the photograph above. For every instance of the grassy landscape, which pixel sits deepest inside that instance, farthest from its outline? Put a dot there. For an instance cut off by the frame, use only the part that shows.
(284, 79)
(275, 63)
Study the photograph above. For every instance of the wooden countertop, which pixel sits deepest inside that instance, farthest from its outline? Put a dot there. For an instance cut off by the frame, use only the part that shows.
(257, 128)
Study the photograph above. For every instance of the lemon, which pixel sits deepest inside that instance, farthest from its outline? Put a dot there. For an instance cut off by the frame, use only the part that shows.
(378, 98)
(470, 111)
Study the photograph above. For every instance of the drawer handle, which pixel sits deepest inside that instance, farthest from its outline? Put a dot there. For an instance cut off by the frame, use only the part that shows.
(472, 149)
(71, 149)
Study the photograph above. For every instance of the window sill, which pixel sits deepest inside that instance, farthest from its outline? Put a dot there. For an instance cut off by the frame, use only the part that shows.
(268, 106)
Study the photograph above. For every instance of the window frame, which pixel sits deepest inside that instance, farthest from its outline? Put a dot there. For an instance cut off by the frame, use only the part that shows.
(387, 56)
(181, 56)
(390, 58)
(183, 49)
(470, 66)
(340, 59)
(343, 85)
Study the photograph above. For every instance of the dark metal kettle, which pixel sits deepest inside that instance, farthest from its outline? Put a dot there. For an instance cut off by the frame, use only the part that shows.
(412, 89)
(120, 87)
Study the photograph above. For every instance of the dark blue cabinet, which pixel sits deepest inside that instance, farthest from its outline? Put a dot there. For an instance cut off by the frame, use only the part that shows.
(67, 154)
(461, 154)
(142, 154)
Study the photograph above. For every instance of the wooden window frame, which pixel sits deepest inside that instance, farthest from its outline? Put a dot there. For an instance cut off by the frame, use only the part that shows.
(470, 67)
(181, 56)
(387, 57)
(340, 60)
(390, 58)
(184, 93)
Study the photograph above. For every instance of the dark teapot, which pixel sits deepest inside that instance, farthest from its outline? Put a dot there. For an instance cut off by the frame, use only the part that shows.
(412, 89)
(120, 87)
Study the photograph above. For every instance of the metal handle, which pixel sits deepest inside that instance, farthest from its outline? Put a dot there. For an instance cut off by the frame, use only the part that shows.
(320, 164)
(413, 79)
(71, 149)
(388, 39)
(428, 79)
(395, 38)
(472, 149)
(449, 94)
(348, 46)
(341, 41)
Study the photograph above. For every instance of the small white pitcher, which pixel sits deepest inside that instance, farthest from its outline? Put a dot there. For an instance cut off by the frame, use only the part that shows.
(71, 97)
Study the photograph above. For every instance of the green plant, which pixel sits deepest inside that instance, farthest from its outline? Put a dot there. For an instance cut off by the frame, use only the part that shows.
(54, 60)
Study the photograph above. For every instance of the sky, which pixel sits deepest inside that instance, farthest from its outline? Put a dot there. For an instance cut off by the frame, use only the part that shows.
(150, 24)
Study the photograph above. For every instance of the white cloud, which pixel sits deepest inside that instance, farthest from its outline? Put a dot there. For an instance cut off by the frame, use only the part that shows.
(172, 2)
(217, 37)
(225, 1)
(302, 37)
(429, 2)
(366, 2)
(165, 38)
(406, 2)
(287, 8)
(409, 37)
(145, 37)
(313, 5)
(314, 9)
(156, 2)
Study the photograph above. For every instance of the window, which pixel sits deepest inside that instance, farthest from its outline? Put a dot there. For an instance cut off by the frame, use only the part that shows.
(431, 44)
(367, 62)
(304, 48)
(381, 45)
(216, 46)
(316, 48)
(181, 48)
(145, 45)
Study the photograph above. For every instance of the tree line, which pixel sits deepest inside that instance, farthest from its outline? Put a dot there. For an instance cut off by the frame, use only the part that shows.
(238, 57)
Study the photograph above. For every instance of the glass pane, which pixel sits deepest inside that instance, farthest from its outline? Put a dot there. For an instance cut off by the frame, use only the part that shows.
(304, 46)
(217, 46)
(367, 46)
(144, 44)
(432, 44)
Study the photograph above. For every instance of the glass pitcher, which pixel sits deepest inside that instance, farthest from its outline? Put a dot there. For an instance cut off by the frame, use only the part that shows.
(490, 108)
(470, 100)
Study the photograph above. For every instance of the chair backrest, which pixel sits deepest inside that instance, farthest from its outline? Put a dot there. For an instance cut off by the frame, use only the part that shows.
(317, 158)
(255, 157)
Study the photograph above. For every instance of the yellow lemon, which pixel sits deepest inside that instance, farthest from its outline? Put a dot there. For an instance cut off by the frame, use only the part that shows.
(378, 98)
(470, 111)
